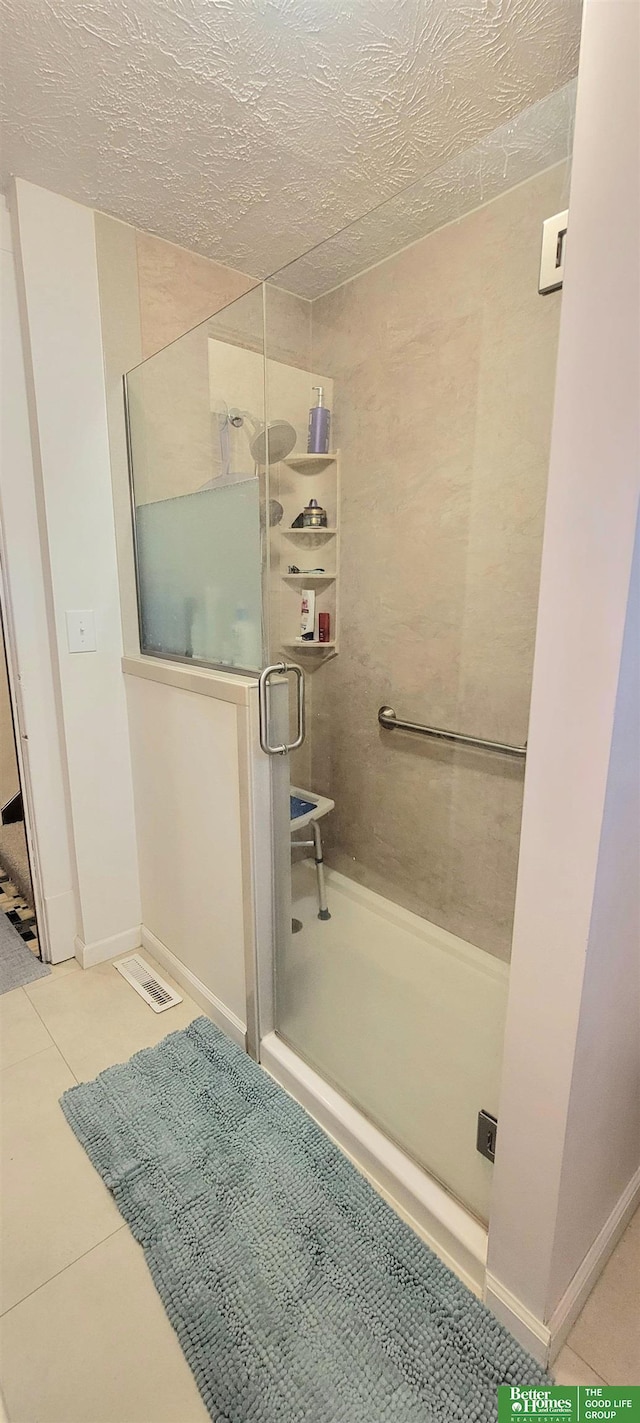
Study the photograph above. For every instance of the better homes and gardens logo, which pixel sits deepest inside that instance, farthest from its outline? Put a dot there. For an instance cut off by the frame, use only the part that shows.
(569, 1404)
(536, 1402)
(539, 1402)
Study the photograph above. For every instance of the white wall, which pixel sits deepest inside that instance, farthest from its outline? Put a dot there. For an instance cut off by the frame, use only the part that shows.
(122, 349)
(602, 1146)
(563, 896)
(26, 585)
(65, 369)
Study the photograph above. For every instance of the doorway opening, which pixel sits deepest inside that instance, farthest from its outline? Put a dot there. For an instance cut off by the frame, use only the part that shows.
(18, 924)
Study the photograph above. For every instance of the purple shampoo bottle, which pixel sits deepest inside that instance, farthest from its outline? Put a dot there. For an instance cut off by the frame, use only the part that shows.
(319, 426)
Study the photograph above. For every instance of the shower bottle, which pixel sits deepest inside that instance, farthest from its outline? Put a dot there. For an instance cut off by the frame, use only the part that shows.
(319, 425)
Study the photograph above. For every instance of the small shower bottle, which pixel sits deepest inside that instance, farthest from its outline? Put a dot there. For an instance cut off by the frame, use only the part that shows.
(319, 425)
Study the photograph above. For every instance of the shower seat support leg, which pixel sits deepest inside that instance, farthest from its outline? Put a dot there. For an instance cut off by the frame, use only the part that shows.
(323, 912)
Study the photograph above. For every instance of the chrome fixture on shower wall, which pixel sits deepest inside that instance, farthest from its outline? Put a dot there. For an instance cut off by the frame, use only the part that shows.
(390, 722)
(269, 443)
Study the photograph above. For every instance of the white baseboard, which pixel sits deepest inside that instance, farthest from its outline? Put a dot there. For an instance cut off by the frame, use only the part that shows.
(544, 1341)
(575, 1296)
(531, 1332)
(90, 954)
(60, 925)
(454, 1235)
(222, 1016)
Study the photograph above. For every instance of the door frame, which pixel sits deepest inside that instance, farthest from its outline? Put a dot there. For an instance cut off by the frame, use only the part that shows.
(21, 746)
(27, 618)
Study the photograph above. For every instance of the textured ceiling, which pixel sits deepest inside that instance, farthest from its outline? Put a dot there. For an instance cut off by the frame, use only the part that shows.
(535, 139)
(251, 129)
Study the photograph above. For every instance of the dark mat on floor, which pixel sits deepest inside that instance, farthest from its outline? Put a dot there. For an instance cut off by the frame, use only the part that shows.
(297, 1294)
(14, 858)
(18, 965)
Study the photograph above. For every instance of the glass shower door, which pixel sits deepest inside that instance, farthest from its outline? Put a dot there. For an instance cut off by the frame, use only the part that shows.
(424, 324)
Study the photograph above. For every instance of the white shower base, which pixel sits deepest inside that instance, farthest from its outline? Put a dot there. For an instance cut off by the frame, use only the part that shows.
(404, 1019)
(451, 1231)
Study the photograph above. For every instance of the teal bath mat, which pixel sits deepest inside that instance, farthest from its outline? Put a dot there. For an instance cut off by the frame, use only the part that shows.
(296, 1292)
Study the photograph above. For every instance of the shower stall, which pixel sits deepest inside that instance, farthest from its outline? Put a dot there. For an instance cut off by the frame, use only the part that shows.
(403, 733)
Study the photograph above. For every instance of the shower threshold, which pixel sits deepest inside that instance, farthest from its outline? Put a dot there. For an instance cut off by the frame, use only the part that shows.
(455, 1235)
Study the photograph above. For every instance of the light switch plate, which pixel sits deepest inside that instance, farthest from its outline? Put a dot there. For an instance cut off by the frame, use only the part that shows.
(554, 241)
(81, 630)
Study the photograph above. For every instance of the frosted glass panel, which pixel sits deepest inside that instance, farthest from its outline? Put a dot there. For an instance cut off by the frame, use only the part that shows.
(196, 413)
(199, 576)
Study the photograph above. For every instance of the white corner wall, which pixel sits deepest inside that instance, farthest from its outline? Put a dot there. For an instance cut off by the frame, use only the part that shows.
(28, 641)
(122, 350)
(602, 1143)
(566, 901)
(56, 254)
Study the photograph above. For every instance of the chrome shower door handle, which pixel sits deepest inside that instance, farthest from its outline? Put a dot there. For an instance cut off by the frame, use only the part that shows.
(282, 669)
(301, 727)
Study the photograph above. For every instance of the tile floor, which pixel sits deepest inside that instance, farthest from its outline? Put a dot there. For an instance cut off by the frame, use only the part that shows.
(83, 1335)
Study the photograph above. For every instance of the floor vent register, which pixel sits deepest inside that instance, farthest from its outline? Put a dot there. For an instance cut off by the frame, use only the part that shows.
(147, 983)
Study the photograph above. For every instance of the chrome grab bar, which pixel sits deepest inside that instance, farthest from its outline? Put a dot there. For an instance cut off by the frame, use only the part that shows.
(390, 722)
(282, 669)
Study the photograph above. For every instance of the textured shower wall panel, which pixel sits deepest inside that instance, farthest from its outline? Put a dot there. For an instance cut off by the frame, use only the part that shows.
(178, 289)
(171, 421)
(443, 360)
(176, 448)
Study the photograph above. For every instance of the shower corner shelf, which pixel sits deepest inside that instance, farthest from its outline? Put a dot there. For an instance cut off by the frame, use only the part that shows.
(314, 646)
(309, 464)
(304, 578)
(294, 533)
(308, 547)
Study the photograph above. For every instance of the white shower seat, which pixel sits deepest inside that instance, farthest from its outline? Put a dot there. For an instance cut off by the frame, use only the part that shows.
(318, 806)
